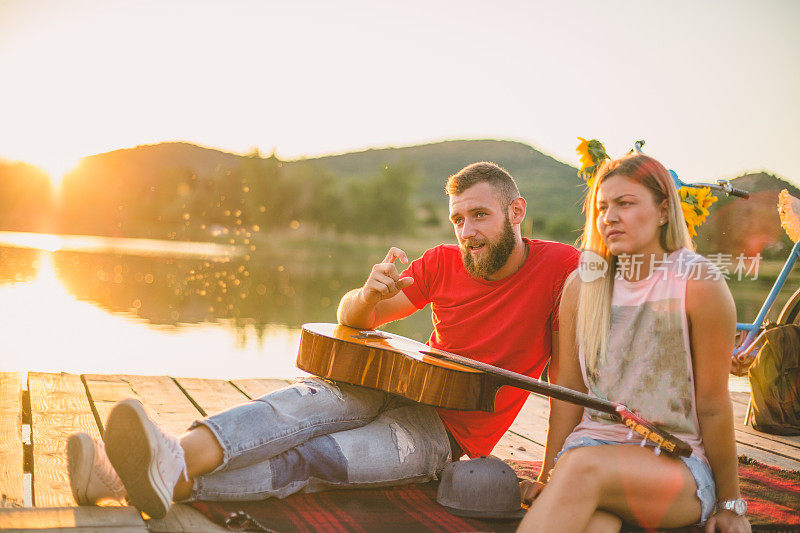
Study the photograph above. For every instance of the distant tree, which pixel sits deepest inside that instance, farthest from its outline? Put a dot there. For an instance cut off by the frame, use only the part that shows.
(26, 198)
(319, 200)
(562, 228)
(429, 214)
(383, 205)
(266, 194)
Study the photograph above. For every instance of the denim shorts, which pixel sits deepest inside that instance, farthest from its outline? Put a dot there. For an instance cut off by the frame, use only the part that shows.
(701, 472)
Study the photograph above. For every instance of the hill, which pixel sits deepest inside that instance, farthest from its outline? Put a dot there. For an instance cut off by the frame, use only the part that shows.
(747, 226)
(552, 188)
(145, 191)
(99, 195)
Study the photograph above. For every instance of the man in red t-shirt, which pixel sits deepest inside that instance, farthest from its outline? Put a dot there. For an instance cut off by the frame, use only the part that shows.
(494, 298)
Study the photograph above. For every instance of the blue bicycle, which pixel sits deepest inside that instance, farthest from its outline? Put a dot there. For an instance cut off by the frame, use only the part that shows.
(751, 335)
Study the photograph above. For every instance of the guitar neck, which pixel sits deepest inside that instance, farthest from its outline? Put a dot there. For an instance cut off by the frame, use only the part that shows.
(522, 381)
(619, 412)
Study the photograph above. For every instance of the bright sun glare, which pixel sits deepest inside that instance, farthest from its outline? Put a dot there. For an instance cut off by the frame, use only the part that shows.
(55, 166)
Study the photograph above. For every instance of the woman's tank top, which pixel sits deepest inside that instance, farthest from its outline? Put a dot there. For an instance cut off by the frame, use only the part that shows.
(648, 366)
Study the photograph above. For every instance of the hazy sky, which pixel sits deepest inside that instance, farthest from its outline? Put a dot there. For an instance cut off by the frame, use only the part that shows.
(713, 86)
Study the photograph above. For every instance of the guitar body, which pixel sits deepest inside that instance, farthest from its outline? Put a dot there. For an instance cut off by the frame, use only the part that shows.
(408, 368)
(395, 364)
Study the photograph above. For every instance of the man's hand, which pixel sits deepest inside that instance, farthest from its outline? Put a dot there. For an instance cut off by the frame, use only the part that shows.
(384, 281)
(381, 299)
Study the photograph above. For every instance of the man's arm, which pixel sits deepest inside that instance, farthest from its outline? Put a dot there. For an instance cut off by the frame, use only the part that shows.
(381, 299)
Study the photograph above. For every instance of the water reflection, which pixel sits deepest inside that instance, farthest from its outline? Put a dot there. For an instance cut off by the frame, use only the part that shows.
(115, 313)
(175, 292)
(236, 316)
(18, 265)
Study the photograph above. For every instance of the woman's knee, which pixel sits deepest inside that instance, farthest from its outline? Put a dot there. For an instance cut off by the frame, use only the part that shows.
(604, 522)
(579, 469)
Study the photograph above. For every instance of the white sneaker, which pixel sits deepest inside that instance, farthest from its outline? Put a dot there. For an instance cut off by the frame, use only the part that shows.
(91, 475)
(149, 461)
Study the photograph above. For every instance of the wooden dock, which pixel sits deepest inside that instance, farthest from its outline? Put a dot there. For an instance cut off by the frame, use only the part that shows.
(39, 411)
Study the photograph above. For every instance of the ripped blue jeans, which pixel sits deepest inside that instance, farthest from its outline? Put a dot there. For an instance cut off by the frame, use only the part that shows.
(315, 435)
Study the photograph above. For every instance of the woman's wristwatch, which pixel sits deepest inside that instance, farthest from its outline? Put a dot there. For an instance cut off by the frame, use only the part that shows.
(738, 506)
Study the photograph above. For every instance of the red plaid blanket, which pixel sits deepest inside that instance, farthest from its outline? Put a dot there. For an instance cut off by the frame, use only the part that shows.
(773, 498)
(402, 509)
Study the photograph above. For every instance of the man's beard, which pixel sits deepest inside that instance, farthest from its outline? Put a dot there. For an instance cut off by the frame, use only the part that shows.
(497, 253)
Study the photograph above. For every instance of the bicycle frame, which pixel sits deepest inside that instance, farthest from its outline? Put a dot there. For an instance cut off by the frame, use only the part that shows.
(755, 328)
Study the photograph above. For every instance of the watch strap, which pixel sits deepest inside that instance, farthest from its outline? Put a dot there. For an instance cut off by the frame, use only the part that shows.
(737, 506)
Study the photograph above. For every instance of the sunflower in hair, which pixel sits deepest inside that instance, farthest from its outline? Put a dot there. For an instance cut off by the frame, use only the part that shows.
(591, 153)
(695, 202)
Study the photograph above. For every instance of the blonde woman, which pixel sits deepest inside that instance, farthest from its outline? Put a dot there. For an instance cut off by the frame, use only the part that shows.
(655, 332)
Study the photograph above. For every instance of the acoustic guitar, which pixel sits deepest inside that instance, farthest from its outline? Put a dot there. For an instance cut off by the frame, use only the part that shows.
(402, 366)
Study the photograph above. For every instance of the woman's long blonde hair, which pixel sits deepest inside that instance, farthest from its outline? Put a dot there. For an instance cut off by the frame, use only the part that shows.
(594, 304)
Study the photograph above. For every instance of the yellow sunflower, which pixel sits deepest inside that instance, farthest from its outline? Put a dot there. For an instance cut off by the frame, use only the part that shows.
(591, 153)
(695, 202)
(691, 218)
(583, 152)
(705, 198)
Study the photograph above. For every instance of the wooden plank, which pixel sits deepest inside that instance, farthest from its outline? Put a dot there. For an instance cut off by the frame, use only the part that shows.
(59, 407)
(771, 451)
(782, 447)
(513, 446)
(171, 409)
(183, 518)
(786, 443)
(104, 392)
(164, 402)
(89, 518)
(533, 418)
(768, 458)
(255, 388)
(211, 395)
(11, 453)
(741, 398)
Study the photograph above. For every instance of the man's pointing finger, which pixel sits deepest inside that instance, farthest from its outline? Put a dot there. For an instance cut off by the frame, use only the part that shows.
(395, 253)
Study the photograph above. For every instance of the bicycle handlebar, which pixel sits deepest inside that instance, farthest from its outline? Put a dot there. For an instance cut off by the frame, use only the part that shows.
(741, 193)
(721, 185)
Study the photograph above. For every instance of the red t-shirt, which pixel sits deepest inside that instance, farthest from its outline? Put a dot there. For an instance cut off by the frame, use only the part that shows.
(505, 323)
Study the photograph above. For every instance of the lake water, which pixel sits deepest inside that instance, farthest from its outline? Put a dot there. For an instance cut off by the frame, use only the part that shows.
(136, 311)
(93, 305)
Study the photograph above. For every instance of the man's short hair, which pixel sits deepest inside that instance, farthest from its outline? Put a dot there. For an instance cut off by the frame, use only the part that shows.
(484, 171)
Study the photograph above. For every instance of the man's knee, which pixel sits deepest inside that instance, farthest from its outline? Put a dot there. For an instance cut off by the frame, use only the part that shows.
(309, 386)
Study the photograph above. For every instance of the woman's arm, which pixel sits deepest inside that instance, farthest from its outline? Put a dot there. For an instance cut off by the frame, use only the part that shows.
(564, 370)
(712, 327)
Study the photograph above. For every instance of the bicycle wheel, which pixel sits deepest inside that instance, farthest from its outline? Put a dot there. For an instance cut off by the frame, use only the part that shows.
(790, 314)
